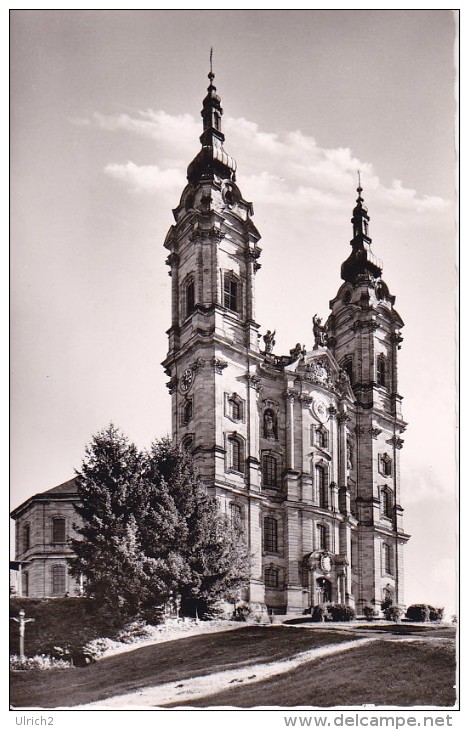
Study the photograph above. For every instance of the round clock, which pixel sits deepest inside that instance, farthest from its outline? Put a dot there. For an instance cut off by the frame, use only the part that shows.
(320, 410)
(186, 380)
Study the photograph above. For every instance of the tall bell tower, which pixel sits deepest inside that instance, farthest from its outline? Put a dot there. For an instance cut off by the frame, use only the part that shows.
(364, 334)
(213, 339)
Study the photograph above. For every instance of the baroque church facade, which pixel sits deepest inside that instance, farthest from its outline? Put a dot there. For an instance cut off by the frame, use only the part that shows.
(303, 448)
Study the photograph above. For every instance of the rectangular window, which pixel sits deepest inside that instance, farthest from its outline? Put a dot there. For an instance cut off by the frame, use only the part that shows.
(322, 537)
(271, 577)
(58, 530)
(235, 510)
(235, 456)
(190, 298)
(321, 483)
(269, 471)
(270, 535)
(230, 293)
(58, 580)
(26, 537)
(25, 584)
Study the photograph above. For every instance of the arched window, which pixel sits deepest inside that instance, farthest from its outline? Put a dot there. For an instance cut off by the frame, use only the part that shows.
(58, 530)
(321, 534)
(58, 580)
(321, 437)
(386, 502)
(231, 290)
(190, 296)
(235, 453)
(270, 535)
(271, 577)
(234, 407)
(381, 371)
(187, 411)
(387, 558)
(26, 537)
(347, 365)
(269, 471)
(321, 485)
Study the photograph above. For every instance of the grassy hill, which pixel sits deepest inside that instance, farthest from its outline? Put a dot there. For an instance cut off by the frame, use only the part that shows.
(57, 622)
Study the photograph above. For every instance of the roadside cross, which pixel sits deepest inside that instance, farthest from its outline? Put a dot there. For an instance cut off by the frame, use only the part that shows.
(22, 621)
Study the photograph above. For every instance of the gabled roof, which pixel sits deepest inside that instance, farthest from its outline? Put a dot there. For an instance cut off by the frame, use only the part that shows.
(64, 491)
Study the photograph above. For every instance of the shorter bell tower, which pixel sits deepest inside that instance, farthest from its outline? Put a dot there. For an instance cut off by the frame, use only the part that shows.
(364, 334)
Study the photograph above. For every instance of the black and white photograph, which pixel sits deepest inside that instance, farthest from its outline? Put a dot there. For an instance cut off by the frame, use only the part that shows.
(233, 352)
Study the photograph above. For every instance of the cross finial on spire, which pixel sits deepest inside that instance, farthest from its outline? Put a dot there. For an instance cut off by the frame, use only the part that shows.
(211, 75)
(359, 189)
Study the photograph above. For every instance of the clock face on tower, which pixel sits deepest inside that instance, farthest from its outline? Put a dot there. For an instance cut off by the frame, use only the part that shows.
(186, 380)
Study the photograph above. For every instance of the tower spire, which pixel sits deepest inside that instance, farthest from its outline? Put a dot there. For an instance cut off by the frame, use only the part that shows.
(212, 158)
(361, 261)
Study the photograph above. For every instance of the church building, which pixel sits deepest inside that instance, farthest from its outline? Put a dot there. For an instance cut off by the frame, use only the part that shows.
(303, 448)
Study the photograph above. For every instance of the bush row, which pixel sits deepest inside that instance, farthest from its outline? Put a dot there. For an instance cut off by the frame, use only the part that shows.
(333, 612)
(424, 612)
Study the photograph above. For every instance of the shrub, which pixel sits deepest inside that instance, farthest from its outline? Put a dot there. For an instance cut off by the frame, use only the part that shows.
(319, 613)
(418, 612)
(341, 612)
(241, 612)
(369, 613)
(392, 613)
(436, 614)
(40, 661)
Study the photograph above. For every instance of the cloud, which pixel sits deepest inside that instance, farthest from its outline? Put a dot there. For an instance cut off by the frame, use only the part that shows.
(146, 178)
(289, 170)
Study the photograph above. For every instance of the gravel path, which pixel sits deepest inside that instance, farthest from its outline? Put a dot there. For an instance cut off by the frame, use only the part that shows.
(198, 687)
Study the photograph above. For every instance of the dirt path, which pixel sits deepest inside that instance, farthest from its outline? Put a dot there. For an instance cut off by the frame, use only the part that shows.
(198, 687)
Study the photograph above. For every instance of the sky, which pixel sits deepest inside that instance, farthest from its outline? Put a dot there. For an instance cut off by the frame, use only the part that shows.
(105, 117)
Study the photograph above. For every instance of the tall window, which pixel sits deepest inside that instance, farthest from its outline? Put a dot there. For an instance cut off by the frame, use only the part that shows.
(347, 365)
(271, 577)
(26, 537)
(321, 484)
(387, 559)
(270, 535)
(190, 297)
(235, 453)
(321, 533)
(236, 515)
(269, 471)
(231, 292)
(234, 407)
(381, 370)
(386, 502)
(58, 580)
(187, 411)
(58, 529)
(25, 584)
(321, 437)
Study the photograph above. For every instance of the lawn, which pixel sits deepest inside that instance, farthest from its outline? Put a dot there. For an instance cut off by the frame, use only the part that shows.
(165, 662)
(395, 673)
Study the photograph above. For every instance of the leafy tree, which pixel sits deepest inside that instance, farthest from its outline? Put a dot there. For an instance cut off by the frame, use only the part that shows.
(150, 531)
(208, 550)
(109, 554)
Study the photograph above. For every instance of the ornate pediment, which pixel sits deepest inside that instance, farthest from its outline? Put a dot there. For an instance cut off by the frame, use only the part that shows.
(319, 367)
